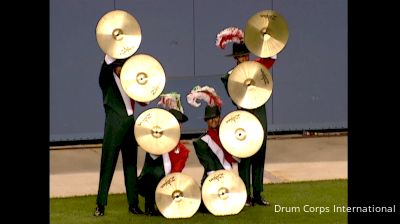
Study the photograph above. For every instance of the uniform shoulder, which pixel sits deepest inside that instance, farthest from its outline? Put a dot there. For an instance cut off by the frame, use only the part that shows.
(199, 141)
(199, 138)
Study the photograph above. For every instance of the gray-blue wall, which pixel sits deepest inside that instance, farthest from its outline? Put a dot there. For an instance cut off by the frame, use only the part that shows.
(310, 74)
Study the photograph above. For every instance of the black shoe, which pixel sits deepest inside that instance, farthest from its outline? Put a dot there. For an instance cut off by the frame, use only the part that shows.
(135, 210)
(153, 212)
(99, 210)
(150, 208)
(249, 201)
(261, 201)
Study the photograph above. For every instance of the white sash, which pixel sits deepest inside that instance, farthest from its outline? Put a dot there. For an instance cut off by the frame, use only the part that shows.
(167, 163)
(217, 151)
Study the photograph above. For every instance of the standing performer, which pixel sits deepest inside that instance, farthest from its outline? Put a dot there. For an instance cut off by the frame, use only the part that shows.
(118, 135)
(252, 168)
(157, 167)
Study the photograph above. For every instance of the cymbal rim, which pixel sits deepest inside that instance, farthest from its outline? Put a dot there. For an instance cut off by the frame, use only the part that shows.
(143, 78)
(220, 204)
(184, 185)
(275, 27)
(118, 34)
(249, 126)
(250, 85)
(168, 131)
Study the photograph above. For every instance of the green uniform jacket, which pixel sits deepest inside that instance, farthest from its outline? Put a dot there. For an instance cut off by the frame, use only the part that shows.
(118, 135)
(206, 157)
(151, 175)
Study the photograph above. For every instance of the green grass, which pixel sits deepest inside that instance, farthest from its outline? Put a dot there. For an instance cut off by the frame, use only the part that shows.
(323, 194)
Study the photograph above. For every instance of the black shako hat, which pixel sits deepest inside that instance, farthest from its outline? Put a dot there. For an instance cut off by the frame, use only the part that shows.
(239, 49)
(178, 115)
(211, 112)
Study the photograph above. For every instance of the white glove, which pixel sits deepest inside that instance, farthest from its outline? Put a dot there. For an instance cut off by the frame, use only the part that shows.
(109, 59)
(210, 172)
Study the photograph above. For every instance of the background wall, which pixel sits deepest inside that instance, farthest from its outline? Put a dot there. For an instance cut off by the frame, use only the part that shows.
(309, 76)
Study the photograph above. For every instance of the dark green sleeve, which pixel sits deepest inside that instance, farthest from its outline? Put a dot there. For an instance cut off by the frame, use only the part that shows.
(224, 80)
(206, 157)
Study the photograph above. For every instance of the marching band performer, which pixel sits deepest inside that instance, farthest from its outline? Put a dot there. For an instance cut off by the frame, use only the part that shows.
(118, 136)
(157, 167)
(251, 168)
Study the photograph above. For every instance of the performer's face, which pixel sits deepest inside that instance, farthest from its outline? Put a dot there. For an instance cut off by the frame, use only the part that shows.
(242, 58)
(214, 122)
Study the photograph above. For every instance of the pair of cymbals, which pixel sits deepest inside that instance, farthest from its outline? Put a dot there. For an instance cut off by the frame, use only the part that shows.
(118, 34)
(250, 84)
(241, 133)
(224, 193)
(157, 131)
(178, 196)
(266, 33)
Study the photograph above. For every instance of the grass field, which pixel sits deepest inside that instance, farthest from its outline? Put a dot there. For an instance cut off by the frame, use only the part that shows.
(300, 202)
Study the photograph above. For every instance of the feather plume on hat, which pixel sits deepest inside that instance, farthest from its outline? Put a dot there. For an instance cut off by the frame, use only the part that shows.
(171, 100)
(227, 35)
(205, 93)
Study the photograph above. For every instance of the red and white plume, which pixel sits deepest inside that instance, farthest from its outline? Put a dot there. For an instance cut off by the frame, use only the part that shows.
(230, 34)
(171, 100)
(205, 93)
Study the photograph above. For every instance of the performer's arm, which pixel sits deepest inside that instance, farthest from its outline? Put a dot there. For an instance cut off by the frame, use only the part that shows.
(204, 156)
(106, 73)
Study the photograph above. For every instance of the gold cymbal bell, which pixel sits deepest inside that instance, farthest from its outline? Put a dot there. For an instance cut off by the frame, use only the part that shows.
(142, 78)
(157, 131)
(250, 84)
(118, 34)
(266, 33)
(178, 196)
(224, 193)
(241, 133)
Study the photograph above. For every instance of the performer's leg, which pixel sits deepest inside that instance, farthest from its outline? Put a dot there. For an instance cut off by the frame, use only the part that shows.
(109, 158)
(258, 161)
(129, 161)
(244, 173)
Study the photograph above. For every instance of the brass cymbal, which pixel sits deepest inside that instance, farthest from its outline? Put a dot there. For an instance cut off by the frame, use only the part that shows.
(241, 133)
(142, 78)
(157, 131)
(178, 196)
(250, 84)
(224, 193)
(118, 34)
(266, 33)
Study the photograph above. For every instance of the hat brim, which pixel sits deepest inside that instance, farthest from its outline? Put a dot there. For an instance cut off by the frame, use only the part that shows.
(183, 119)
(210, 117)
(178, 115)
(238, 54)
